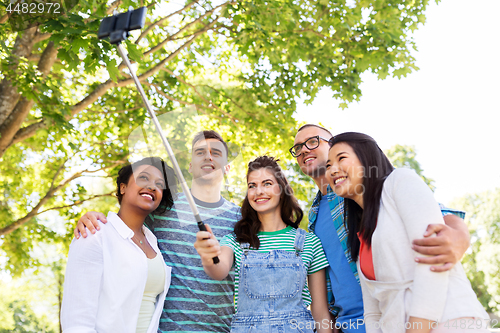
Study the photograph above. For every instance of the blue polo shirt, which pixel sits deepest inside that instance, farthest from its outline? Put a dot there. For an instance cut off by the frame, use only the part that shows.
(345, 287)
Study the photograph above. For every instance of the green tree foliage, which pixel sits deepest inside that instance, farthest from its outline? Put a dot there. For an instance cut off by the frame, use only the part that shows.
(402, 156)
(67, 104)
(482, 261)
(18, 300)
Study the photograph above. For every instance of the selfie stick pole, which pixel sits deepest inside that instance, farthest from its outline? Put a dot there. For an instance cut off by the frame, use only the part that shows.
(152, 114)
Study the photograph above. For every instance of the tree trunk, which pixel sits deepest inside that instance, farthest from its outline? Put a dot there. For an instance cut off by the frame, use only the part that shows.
(14, 121)
(8, 93)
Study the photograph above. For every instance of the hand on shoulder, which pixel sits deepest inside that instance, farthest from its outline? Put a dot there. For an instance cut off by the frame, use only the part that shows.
(89, 222)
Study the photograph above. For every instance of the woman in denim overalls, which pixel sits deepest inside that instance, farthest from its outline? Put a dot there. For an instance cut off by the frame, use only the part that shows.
(272, 259)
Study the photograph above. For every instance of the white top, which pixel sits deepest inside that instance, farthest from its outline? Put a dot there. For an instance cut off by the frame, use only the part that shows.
(105, 279)
(154, 287)
(404, 288)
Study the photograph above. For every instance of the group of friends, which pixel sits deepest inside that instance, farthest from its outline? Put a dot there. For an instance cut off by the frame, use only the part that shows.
(381, 254)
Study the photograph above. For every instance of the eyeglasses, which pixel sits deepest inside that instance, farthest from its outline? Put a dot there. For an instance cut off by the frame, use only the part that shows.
(311, 143)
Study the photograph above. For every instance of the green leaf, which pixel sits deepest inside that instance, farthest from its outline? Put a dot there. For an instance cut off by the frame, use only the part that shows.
(112, 69)
(134, 53)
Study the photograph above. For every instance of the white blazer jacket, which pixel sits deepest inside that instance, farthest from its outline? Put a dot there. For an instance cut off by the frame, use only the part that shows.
(403, 287)
(105, 279)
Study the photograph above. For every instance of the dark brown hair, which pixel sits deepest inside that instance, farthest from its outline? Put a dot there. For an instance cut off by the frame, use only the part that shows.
(167, 201)
(248, 226)
(204, 135)
(377, 167)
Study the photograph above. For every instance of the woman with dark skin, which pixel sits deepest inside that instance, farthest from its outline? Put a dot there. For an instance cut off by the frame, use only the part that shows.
(122, 264)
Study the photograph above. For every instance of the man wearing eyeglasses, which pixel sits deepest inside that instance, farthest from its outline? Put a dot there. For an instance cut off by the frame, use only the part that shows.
(326, 220)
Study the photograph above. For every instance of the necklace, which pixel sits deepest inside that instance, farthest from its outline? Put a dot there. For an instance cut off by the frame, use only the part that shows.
(137, 240)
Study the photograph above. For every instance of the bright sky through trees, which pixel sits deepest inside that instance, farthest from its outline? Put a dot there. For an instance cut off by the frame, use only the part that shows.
(449, 109)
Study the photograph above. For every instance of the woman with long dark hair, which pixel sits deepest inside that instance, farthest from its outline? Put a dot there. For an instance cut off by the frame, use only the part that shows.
(122, 264)
(386, 209)
(272, 258)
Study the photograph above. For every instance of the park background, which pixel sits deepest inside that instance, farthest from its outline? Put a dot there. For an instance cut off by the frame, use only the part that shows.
(256, 71)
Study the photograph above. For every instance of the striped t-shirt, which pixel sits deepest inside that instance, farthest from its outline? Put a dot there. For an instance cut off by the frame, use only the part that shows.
(194, 302)
(313, 256)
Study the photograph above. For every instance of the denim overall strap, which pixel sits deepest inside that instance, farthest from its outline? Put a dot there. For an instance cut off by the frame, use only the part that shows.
(300, 238)
(270, 291)
(245, 247)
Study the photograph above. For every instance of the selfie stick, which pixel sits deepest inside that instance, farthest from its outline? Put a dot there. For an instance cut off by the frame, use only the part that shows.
(116, 27)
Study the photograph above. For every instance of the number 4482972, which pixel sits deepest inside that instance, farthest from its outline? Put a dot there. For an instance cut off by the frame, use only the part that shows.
(34, 8)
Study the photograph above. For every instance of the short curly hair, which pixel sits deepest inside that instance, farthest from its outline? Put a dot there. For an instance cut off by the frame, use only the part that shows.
(168, 173)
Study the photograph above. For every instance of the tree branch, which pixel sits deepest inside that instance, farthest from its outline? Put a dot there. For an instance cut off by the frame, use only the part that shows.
(34, 57)
(41, 37)
(5, 18)
(209, 103)
(107, 142)
(189, 25)
(158, 90)
(116, 111)
(34, 212)
(57, 174)
(47, 59)
(50, 193)
(112, 6)
(79, 202)
(198, 106)
(160, 21)
(92, 97)
(9, 94)
(300, 31)
(14, 121)
(25, 133)
(229, 98)
(32, 121)
(158, 66)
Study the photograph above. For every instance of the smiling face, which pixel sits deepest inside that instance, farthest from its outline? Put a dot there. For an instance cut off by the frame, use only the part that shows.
(144, 188)
(345, 173)
(209, 161)
(312, 162)
(263, 191)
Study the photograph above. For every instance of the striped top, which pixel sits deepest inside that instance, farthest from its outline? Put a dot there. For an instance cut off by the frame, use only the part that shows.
(194, 302)
(313, 256)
